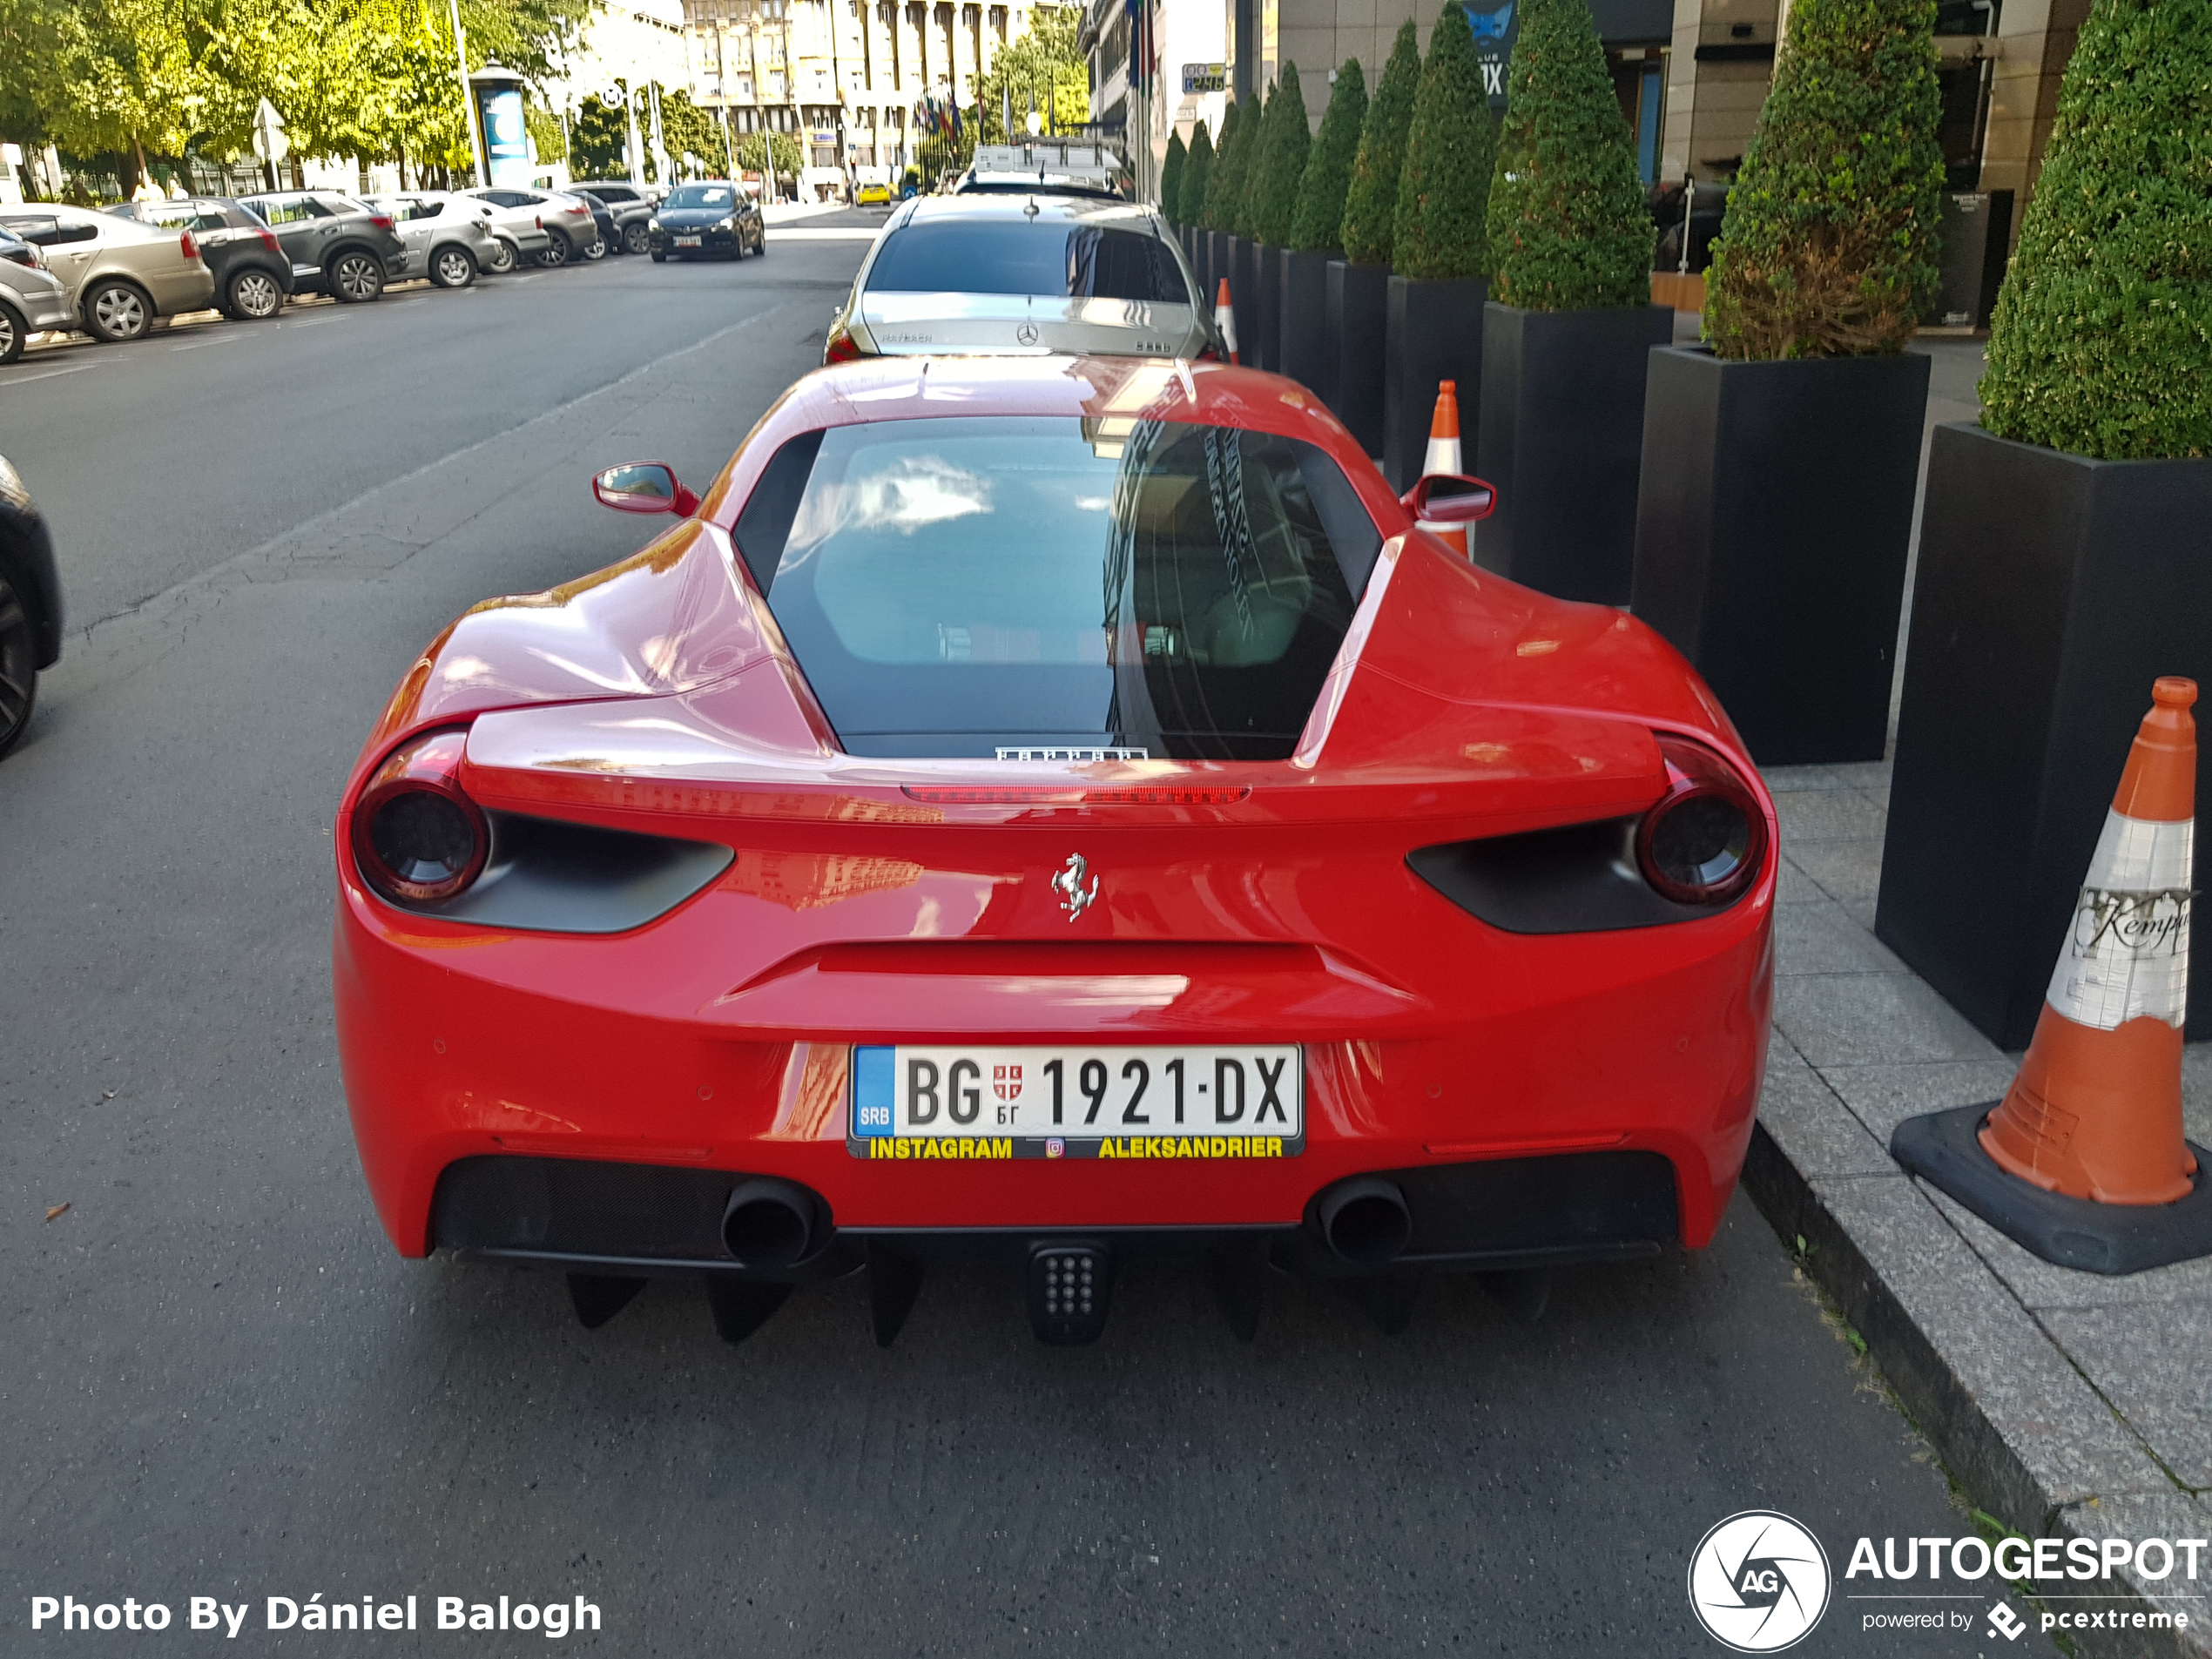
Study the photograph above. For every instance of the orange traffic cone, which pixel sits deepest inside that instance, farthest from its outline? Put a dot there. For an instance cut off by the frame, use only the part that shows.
(1444, 456)
(2096, 1110)
(2083, 1161)
(1224, 318)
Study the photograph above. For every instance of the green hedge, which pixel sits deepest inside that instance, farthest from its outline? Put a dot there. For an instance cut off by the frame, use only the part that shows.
(1371, 204)
(1223, 181)
(1252, 145)
(1285, 140)
(1197, 171)
(1830, 242)
(1317, 224)
(1444, 187)
(2102, 341)
(1568, 228)
(1171, 179)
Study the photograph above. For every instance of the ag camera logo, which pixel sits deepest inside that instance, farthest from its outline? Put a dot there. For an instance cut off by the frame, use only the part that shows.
(1758, 1581)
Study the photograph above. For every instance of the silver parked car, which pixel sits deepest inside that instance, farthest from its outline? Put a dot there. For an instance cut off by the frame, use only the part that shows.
(521, 237)
(1023, 275)
(448, 237)
(32, 298)
(571, 231)
(120, 275)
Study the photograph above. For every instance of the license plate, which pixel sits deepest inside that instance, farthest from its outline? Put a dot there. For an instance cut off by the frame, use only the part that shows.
(955, 1101)
(687, 241)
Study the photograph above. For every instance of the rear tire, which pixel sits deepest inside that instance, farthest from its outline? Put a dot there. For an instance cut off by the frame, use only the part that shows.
(14, 330)
(453, 267)
(18, 667)
(252, 296)
(659, 257)
(354, 278)
(503, 257)
(115, 312)
(557, 251)
(598, 250)
(638, 239)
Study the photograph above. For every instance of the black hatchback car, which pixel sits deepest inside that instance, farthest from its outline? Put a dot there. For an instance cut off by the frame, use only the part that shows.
(30, 605)
(708, 217)
(252, 274)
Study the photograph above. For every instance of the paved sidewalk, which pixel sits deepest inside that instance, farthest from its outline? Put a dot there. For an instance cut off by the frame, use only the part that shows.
(2067, 1404)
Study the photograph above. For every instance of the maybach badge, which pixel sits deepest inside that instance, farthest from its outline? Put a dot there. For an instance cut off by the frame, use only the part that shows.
(1075, 898)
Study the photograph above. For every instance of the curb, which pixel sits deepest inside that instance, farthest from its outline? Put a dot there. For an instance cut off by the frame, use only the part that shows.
(1941, 1402)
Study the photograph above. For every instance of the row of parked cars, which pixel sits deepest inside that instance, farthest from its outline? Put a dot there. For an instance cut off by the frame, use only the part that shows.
(112, 273)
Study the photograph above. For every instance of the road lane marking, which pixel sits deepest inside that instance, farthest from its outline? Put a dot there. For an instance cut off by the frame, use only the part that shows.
(47, 375)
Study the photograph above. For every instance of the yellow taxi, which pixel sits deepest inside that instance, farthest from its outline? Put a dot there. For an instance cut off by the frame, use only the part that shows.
(872, 193)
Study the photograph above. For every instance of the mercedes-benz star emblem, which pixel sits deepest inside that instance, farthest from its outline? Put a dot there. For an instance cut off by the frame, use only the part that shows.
(1027, 333)
(1075, 898)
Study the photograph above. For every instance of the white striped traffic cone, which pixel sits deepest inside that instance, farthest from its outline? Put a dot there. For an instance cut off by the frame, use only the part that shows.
(1444, 457)
(1224, 318)
(2096, 1111)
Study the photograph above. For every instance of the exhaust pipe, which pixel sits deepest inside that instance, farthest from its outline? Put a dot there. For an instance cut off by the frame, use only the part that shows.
(1365, 1221)
(770, 1224)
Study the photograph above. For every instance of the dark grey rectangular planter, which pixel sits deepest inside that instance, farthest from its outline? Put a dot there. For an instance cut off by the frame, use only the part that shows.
(2051, 590)
(1772, 524)
(1269, 264)
(1560, 436)
(1244, 297)
(1359, 324)
(1217, 262)
(1303, 331)
(1434, 333)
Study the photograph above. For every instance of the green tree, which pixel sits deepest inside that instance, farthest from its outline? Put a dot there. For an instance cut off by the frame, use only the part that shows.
(1371, 203)
(1251, 146)
(1316, 223)
(1569, 229)
(688, 131)
(1196, 172)
(1444, 187)
(1222, 182)
(1040, 68)
(1828, 249)
(1171, 179)
(756, 150)
(2101, 344)
(1290, 142)
(134, 76)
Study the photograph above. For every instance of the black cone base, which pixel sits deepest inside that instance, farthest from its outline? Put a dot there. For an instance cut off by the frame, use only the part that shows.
(1943, 1150)
(598, 1298)
(741, 1306)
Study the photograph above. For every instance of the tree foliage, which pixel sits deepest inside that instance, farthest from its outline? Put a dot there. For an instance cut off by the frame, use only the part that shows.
(756, 150)
(1197, 173)
(1287, 140)
(1172, 179)
(1444, 187)
(1829, 246)
(1251, 144)
(1040, 66)
(2101, 344)
(1371, 203)
(1316, 223)
(1568, 230)
(1223, 181)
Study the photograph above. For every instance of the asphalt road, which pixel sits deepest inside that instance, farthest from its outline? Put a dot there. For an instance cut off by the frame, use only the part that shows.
(220, 1381)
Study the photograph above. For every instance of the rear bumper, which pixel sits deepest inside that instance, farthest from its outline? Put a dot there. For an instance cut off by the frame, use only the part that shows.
(612, 1051)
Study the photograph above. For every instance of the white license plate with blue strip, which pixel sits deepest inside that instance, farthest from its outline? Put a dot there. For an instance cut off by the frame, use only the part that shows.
(955, 1101)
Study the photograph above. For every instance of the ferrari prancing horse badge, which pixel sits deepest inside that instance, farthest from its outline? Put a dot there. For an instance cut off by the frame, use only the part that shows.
(1075, 898)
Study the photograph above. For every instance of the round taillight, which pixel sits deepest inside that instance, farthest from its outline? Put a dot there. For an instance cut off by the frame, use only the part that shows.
(1705, 840)
(417, 839)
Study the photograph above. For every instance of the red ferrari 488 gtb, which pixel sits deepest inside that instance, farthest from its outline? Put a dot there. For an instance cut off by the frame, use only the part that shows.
(1060, 807)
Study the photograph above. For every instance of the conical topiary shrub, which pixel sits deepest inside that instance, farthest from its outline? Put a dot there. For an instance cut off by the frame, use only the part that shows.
(2101, 342)
(1222, 180)
(1828, 247)
(1287, 141)
(1568, 226)
(1197, 171)
(1371, 204)
(1171, 179)
(1252, 152)
(1444, 185)
(1317, 221)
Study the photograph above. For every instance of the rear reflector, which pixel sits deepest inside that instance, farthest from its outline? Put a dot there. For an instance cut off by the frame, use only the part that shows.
(1046, 795)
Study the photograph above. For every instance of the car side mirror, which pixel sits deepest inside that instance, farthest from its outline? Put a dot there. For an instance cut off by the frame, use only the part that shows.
(1449, 498)
(643, 486)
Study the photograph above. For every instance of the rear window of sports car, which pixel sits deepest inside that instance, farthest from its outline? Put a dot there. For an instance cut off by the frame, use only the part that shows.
(960, 586)
(1047, 258)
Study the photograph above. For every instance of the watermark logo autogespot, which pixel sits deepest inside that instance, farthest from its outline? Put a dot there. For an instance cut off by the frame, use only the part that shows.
(1758, 1581)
